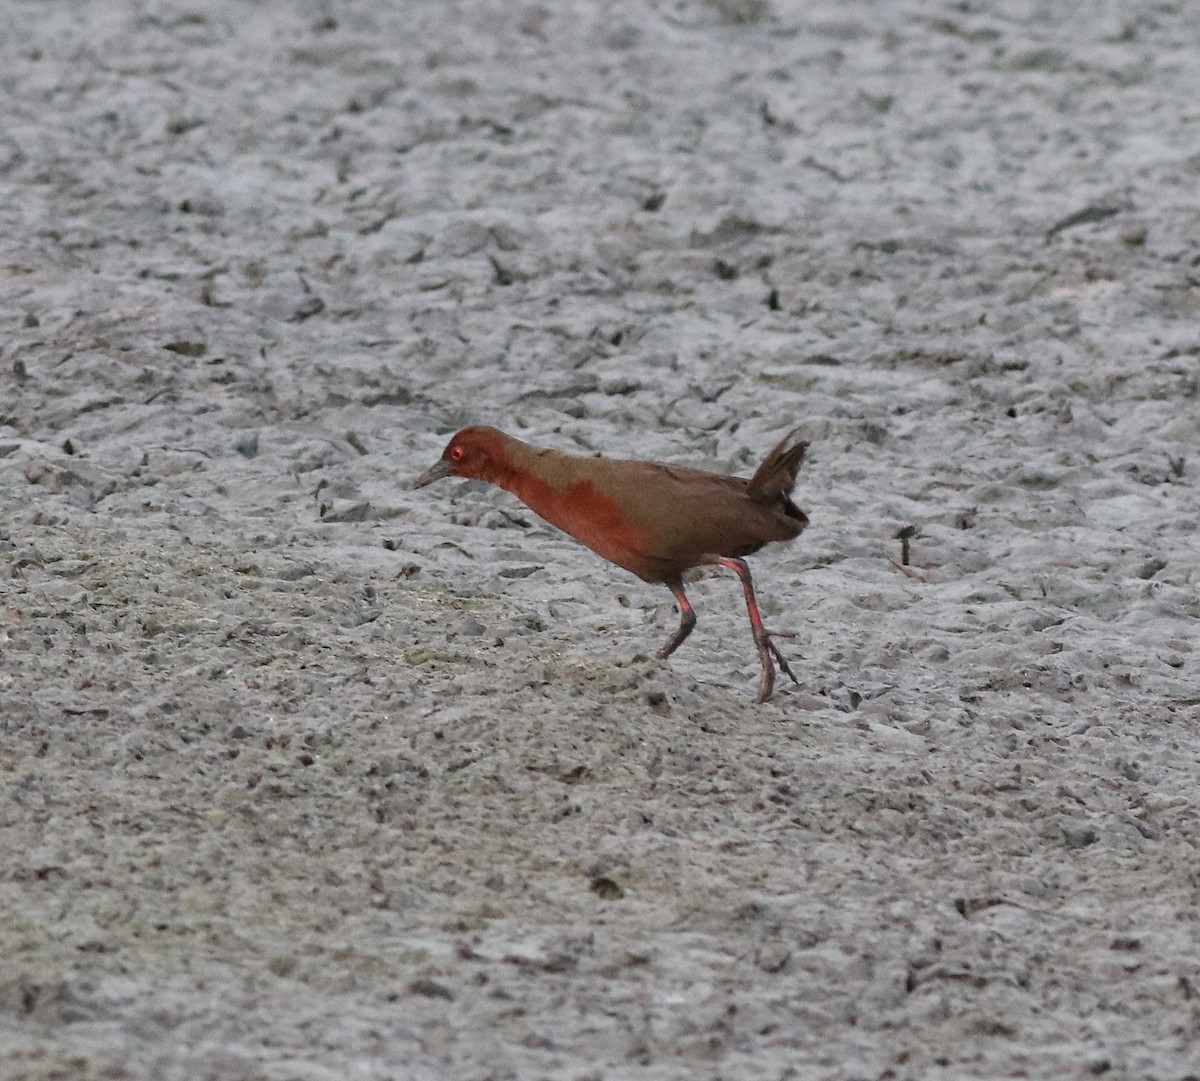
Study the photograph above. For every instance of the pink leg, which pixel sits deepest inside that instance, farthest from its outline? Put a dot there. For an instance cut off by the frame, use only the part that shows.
(762, 637)
(687, 620)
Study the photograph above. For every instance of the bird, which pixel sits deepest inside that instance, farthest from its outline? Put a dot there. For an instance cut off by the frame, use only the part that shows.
(653, 519)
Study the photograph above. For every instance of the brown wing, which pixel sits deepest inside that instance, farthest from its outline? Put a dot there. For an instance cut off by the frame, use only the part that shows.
(689, 516)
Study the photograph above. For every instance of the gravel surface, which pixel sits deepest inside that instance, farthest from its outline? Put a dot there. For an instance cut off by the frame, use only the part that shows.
(310, 776)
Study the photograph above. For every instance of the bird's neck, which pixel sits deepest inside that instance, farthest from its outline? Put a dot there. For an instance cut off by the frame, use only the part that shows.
(534, 475)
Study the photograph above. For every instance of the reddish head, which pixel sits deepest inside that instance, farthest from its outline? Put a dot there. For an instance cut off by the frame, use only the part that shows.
(474, 452)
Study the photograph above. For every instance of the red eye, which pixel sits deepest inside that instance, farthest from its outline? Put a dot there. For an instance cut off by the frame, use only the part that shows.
(456, 454)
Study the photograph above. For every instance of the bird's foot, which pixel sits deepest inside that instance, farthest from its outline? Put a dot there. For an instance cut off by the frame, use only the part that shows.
(783, 664)
(766, 651)
(766, 683)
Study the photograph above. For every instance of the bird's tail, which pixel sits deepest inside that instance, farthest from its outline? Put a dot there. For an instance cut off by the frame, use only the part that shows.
(776, 477)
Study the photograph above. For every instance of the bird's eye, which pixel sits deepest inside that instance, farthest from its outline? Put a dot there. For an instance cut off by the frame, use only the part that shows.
(456, 454)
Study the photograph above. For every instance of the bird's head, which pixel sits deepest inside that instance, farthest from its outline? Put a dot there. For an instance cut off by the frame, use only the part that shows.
(471, 453)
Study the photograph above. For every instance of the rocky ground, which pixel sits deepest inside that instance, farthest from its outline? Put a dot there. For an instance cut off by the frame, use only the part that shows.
(310, 776)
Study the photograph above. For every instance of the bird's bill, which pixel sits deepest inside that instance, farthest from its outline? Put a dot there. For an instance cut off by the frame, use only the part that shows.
(436, 471)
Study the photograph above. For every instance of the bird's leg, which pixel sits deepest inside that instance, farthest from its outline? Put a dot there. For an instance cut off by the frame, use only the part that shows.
(762, 637)
(687, 620)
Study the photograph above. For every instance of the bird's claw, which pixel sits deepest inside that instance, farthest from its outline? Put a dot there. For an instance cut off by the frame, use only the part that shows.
(766, 650)
(783, 664)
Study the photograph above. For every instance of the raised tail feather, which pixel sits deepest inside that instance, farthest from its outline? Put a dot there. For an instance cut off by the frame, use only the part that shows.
(776, 477)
